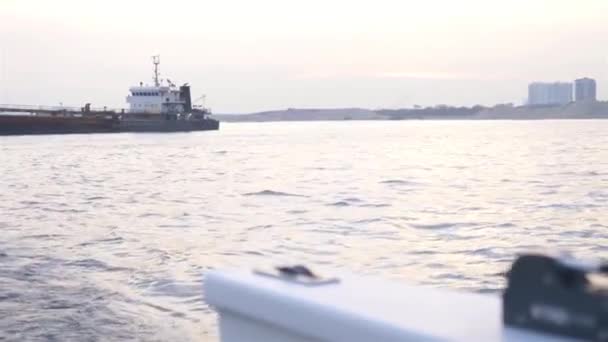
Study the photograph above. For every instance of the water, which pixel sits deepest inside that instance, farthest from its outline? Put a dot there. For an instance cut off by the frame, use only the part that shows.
(107, 237)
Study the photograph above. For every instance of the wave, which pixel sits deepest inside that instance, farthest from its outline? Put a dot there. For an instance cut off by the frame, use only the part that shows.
(506, 225)
(95, 265)
(353, 200)
(598, 195)
(370, 220)
(297, 211)
(66, 211)
(449, 276)
(375, 205)
(339, 204)
(113, 240)
(488, 252)
(43, 236)
(445, 225)
(433, 226)
(28, 203)
(272, 193)
(144, 215)
(568, 206)
(357, 202)
(399, 182)
(96, 198)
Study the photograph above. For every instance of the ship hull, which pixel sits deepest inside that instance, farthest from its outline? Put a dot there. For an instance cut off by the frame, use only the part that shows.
(31, 124)
(168, 126)
(34, 125)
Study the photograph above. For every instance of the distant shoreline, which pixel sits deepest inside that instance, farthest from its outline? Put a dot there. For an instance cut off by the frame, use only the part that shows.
(574, 110)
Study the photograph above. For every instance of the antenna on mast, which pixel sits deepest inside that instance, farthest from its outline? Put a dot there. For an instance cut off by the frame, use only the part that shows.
(156, 61)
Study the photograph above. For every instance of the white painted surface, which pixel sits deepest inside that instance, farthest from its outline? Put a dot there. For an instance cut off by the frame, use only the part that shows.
(235, 327)
(257, 308)
(154, 100)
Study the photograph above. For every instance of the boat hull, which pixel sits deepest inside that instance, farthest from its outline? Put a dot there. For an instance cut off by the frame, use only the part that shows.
(143, 126)
(34, 125)
(31, 124)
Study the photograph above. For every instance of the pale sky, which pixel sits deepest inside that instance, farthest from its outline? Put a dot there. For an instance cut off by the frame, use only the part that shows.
(271, 54)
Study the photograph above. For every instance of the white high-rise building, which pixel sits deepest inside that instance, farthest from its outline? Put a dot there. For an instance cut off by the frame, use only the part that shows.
(556, 93)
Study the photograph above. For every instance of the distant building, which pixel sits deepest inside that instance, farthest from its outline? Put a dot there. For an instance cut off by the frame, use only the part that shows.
(585, 89)
(556, 93)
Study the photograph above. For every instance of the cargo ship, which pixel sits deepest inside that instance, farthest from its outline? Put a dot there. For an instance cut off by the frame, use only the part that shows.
(161, 107)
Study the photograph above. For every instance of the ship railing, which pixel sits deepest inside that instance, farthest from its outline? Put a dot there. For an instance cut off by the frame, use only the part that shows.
(58, 109)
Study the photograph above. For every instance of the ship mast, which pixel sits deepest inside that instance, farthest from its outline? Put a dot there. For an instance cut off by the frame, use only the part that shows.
(156, 61)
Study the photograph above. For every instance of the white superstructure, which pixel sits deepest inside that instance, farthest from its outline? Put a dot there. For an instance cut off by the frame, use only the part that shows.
(159, 98)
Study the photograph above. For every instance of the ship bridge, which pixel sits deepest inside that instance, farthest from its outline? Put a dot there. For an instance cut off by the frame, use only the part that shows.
(159, 98)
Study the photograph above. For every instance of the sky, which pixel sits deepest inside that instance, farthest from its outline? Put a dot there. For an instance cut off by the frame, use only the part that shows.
(248, 56)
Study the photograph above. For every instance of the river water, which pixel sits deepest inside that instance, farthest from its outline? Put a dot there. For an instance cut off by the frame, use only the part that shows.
(107, 237)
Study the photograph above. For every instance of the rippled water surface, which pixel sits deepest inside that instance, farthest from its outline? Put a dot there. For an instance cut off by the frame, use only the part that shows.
(109, 236)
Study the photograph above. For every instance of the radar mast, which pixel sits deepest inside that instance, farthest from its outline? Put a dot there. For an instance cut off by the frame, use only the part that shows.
(156, 61)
